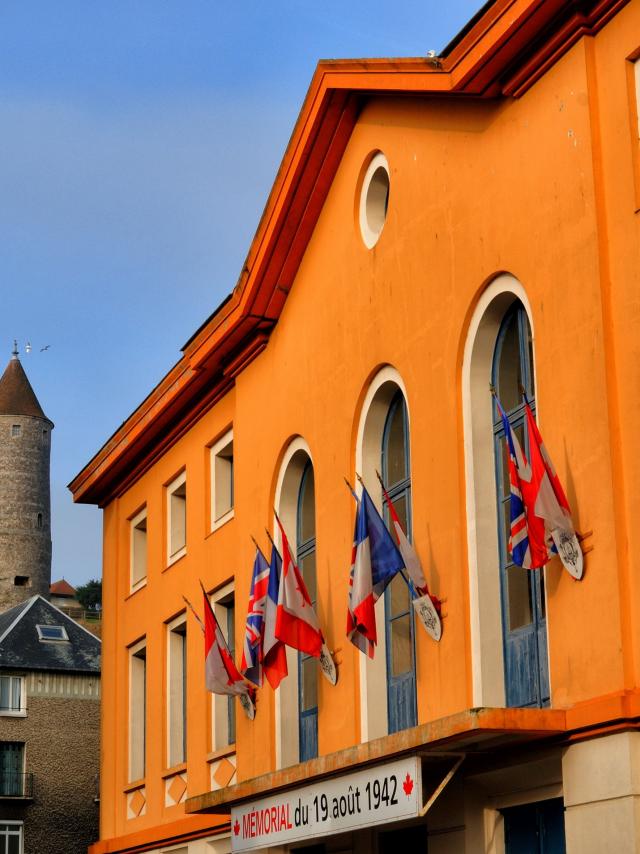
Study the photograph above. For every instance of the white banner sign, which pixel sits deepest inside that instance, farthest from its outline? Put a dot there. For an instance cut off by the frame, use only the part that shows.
(374, 796)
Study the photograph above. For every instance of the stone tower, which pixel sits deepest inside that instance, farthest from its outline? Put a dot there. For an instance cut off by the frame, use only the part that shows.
(25, 497)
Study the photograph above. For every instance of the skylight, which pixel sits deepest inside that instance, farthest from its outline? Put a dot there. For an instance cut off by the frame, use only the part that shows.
(52, 633)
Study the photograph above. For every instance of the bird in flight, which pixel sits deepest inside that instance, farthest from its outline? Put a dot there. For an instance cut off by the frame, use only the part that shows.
(42, 349)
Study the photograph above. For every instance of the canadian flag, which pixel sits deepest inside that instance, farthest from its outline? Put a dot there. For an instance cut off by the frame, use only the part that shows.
(296, 622)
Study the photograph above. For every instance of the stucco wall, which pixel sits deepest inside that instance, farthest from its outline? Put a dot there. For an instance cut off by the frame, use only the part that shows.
(62, 752)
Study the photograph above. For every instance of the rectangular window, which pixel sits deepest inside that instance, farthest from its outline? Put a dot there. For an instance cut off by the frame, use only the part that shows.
(633, 95)
(52, 634)
(12, 769)
(138, 556)
(222, 481)
(16, 429)
(224, 708)
(12, 697)
(177, 518)
(636, 71)
(11, 837)
(177, 691)
(137, 710)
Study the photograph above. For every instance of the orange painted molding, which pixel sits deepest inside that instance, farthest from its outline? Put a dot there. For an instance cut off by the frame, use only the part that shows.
(193, 827)
(455, 732)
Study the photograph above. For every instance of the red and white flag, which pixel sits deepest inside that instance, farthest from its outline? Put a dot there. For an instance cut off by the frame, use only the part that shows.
(221, 674)
(274, 652)
(550, 502)
(427, 606)
(296, 621)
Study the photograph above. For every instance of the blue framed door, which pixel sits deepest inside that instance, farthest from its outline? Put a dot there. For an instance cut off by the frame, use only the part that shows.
(524, 620)
(399, 622)
(535, 828)
(307, 664)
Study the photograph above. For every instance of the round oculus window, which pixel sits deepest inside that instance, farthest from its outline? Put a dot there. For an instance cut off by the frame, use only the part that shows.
(374, 200)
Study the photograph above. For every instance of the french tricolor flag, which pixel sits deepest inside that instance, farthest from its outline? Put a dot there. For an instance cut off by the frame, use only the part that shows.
(374, 562)
(296, 621)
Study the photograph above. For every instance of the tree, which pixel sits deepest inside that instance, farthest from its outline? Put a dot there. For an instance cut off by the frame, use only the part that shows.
(89, 595)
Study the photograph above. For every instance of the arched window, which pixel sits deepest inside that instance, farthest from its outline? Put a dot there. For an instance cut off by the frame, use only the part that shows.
(499, 350)
(526, 670)
(307, 664)
(296, 700)
(399, 623)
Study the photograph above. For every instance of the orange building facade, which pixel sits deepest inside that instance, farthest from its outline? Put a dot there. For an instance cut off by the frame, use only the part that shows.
(438, 225)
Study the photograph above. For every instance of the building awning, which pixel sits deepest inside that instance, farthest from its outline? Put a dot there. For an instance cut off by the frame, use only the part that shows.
(474, 732)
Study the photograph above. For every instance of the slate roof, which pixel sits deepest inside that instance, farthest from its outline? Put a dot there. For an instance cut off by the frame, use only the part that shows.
(16, 395)
(22, 649)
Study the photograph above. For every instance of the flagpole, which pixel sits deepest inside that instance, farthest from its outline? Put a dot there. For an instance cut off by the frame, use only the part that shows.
(271, 540)
(406, 580)
(193, 611)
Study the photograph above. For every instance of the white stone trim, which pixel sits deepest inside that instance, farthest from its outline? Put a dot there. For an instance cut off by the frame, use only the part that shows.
(374, 721)
(371, 219)
(217, 521)
(481, 516)
(286, 696)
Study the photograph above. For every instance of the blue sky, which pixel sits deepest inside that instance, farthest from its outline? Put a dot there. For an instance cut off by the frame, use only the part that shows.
(138, 143)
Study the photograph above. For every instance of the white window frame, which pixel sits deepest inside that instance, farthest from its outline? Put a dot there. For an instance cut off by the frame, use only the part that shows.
(222, 476)
(177, 658)
(296, 457)
(22, 711)
(19, 826)
(43, 639)
(219, 703)
(136, 580)
(636, 74)
(137, 724)
(382, 388)
(171, 489)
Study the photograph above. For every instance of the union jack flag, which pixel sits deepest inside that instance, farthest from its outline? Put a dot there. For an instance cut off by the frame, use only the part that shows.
(527, 538)
(251, 665)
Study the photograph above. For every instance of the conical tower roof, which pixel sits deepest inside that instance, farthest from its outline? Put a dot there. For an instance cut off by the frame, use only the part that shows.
(16, 395)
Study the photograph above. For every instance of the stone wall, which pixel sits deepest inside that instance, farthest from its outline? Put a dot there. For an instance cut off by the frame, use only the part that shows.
(62, 747)
(25, 508)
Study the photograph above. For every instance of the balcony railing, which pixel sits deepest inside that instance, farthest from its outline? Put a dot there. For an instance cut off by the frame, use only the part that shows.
(16, 785)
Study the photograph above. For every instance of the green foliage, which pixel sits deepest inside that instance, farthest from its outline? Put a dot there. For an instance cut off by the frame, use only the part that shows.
(89, 595)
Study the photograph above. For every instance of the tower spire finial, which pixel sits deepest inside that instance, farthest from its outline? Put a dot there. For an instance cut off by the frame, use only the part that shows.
(14, 353)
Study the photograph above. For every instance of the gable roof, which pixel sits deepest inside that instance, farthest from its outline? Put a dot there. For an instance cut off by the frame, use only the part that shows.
(503, 50)
(22, 649)
(16, 394)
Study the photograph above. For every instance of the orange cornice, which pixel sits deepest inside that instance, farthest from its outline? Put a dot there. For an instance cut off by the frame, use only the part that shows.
(511, 44)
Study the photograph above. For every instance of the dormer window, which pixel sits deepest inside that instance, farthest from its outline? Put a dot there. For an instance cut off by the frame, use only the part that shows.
(52, 634)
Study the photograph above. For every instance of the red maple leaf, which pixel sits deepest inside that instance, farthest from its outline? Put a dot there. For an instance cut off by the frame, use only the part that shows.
(236, 827)
(408, 785)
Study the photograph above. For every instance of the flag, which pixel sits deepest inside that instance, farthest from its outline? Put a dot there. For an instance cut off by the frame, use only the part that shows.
(551, 503)
(274, 654)
(296, 621)
(251, 665)
(409, 555)
(541, 523)
(527, 541)
(375, 560)
(221, 674)
(427, 607)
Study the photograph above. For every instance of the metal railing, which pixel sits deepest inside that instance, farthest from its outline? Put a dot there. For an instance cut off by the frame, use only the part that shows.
(14, 784)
